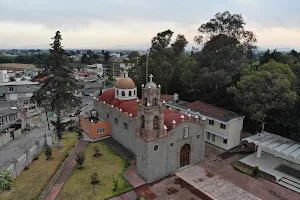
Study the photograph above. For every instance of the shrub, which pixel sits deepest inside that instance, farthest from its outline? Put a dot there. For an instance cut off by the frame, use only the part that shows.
(80, 135)
(94, 178)
(36, 157)
(48, 153)
(80, 159)
(5, 180)
(255, 171)
(116, 183)
(97, 150)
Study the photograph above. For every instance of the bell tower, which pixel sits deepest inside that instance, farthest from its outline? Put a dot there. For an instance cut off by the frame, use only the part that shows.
(151, 112)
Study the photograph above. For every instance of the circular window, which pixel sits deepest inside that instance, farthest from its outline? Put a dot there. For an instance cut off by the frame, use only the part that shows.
(155, 147)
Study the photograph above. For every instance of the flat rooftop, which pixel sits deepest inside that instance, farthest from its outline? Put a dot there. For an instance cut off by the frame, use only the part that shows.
(19, 83)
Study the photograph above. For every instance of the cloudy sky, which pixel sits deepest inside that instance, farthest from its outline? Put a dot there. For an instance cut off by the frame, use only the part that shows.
(132, 23)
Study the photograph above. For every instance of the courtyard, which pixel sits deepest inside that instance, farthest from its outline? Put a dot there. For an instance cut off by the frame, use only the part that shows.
(31, 182)
(110, 164)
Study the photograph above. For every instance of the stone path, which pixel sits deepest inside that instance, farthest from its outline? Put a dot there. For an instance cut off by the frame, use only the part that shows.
(131, 176)
(64, 175)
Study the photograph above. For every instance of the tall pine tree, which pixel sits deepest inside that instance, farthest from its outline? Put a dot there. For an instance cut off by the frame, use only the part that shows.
(57, 90)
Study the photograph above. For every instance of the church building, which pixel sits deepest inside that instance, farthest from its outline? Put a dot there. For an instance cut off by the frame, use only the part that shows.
(162, 140)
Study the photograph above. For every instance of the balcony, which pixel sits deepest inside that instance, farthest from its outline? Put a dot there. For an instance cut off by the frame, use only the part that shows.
(217, 131)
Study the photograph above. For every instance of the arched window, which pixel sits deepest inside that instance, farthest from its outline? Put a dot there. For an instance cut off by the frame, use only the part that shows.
(155, 123)
(130, 93)
(123, 94)
(133, 92)
(145, 101)
(118, 92)
(142, 121)
(154, 101)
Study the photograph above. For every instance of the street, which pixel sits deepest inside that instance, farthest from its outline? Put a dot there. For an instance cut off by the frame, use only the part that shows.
(16, 148)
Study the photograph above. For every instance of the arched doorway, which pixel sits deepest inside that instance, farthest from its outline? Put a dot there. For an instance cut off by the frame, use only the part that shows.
(185, 155)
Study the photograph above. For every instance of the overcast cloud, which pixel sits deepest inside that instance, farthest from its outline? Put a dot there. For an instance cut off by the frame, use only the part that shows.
(105, 24)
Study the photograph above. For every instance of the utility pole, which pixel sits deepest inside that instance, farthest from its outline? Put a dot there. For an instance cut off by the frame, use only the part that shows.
(147, 66)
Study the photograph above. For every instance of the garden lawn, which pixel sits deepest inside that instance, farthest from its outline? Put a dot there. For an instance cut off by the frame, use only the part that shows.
(31, 182)
(79, 184)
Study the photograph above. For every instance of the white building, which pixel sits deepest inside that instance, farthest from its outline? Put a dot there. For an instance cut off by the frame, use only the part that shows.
(17, 89)
(224, 127)
(4, 76)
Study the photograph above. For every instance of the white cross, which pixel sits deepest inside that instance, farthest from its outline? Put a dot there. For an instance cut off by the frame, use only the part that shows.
(151, 76)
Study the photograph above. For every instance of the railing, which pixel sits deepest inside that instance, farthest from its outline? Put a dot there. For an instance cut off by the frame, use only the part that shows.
(217, 131)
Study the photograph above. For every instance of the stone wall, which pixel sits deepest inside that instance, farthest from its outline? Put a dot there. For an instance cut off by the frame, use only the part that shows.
(6, 138)
(17, 164)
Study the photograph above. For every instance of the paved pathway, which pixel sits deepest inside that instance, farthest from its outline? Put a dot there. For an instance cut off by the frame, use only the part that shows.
(70, 163)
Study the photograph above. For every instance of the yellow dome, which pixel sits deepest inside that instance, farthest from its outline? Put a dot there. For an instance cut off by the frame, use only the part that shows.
(125, 83)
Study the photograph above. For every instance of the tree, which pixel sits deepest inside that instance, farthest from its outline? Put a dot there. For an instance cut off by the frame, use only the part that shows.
(56, 91)
(94, 178)
(5, 180)
(133, 55)
(107, 56)
(266, 91)
(231, 25)
(255, 171)
(77, 52)
(80, 159)
(11, 79)
(116, 183)
(48, 153)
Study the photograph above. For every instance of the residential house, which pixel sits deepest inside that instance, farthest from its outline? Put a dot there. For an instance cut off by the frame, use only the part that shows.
(224, 126)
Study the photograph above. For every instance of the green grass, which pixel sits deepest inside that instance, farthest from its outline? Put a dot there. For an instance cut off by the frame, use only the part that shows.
(16, 66)
(79, 184)
(242, 168)
(31, 182)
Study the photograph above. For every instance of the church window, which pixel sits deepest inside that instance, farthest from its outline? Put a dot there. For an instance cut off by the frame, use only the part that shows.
(123, 94)
(155, 147)
(142, 121)
(125, 126)
(145, 101)
(171, 144)
(154, 101)
(116, 121)
(186, 132)
(130, 93)
(100, 130)
(198, 136)
(155, 123)
(118, 92)
(107, 116)
(133, 92)
(225, 141)
(211, 122)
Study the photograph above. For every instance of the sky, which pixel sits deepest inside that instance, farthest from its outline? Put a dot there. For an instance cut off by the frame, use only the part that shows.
(133, 23)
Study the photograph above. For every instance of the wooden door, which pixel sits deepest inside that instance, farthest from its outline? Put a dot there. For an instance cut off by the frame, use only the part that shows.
(185, 155)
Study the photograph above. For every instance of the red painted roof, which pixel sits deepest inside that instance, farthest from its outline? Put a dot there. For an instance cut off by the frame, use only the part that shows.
(165, 97)
(108, 95)
(213, 111)
(130, 106)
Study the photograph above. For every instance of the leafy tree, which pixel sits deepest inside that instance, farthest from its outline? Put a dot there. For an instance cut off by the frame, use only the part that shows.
(11, 79)
(80, 159)
(268, 90)
(116, 183)
(56, 92)
(5, 180)
(133, 55)
(255, 171)
(294, 53)
(94, 178)
(48, 153)
(78, 52)
(107, 56)
(231, 25)
(84, 58)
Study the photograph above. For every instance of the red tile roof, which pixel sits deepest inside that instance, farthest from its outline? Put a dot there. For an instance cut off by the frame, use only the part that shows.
(165, 97)
(213, 111)
(130, 106)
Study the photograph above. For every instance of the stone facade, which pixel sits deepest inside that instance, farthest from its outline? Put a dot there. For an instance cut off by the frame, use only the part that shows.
(158, 147)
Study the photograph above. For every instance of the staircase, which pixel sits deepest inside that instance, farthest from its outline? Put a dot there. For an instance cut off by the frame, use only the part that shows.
(293, 185)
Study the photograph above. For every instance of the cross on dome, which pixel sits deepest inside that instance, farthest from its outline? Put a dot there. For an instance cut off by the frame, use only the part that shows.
(150, 76)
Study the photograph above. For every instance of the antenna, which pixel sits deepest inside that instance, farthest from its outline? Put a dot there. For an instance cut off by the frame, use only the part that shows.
(147, 66)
